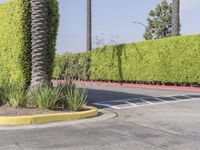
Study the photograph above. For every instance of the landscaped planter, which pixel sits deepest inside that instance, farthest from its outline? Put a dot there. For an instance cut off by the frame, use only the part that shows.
(47, 118)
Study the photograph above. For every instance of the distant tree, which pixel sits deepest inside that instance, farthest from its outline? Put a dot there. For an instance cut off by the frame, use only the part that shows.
(159, 22)
(175, 17)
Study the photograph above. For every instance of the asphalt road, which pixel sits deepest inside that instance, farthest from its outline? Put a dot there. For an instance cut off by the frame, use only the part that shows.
(160, 126)
(124, 97)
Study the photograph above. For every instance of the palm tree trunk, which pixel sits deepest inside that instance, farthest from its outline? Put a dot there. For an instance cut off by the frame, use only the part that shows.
(39, 47)
(89, 25)
(175, 17)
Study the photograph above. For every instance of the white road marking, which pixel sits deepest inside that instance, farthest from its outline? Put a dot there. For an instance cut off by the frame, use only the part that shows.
(132, 104)
(147, 103)
(160, 99)
(106, 105)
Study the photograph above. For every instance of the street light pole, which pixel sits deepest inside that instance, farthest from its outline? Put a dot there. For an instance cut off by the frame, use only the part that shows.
(140, 24)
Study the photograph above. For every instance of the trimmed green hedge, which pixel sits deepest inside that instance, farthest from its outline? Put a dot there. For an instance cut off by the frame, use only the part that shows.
(15, 57)
(170, 60)
(15, 40)
(53, 28)
(72, 66)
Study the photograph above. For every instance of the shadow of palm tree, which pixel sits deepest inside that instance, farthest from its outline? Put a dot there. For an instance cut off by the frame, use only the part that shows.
(119, 52)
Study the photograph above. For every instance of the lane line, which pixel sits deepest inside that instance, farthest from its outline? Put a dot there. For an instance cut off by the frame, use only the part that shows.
(138, 98)
(147, 103)
(160, 99)
(132, 104)
(106, 105)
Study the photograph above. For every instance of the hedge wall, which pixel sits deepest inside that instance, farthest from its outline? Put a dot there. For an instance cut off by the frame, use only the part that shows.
(15, 39)
(170, 60)
(53, 28)
(72, 66)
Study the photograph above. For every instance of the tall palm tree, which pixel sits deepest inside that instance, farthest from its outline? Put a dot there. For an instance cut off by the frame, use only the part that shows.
(175, 17)
(89, 25)
(39, 47)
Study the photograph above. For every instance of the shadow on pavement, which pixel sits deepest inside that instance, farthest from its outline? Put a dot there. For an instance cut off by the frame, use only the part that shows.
(99, 96)
(111, 98)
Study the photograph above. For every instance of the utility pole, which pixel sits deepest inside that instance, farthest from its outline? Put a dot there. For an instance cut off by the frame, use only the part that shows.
(175, 17)
(89, 25)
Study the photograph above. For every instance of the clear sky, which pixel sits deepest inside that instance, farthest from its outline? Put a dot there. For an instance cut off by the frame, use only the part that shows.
(113, 19)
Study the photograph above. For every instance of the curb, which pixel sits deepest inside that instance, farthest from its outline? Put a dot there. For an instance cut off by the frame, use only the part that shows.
(133, 85)
(46, 118)
(103, 115)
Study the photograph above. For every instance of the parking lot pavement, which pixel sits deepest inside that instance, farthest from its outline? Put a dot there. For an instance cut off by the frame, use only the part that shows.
(122, 97)
(145, 101)
(156, 127)
(168, 126)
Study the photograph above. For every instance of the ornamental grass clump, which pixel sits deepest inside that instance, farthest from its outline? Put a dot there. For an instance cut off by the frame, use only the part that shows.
(13, 92)
(1, 96)
(74, 97)
(47, 97)
(65, 96)
(18, 96)
(5, 89)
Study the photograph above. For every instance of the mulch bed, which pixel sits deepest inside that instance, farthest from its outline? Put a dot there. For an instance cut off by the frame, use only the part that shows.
(8, 110)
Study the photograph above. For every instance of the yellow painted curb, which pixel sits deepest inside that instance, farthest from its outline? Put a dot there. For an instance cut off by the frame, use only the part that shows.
(46, 118)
